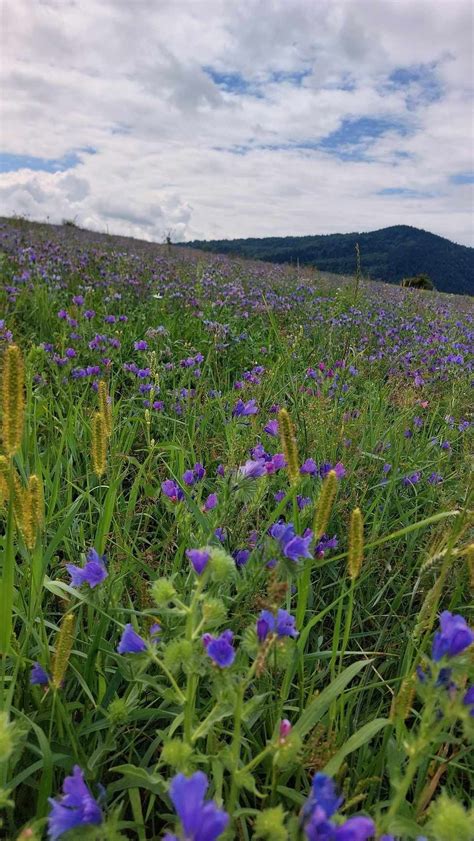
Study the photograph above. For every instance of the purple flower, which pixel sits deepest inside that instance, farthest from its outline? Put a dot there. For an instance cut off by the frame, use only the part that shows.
(453, 638)
(252, 469)
(308, 467)
(211, 502)
(324, 544)
(468, 700)
(321, 805)
(172, 490)
(199, 559)
(220, 534)
(260, 452)
(283, 624)
(77, 806)
(38, 676)
(322, 797)
(277, 462)
(413, 479)
(188, 477)
(241, 557)
(271, 428)
(130, 641)
(92, 573)
(292, 545)
(220, 649)
(435, 478)
(141, 345)
(201, 820)
(155, 631)
(339, 469)
(242, 409)
(199, 471)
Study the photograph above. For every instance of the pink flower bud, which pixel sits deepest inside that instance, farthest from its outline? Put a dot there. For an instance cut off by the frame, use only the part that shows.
(285, 728)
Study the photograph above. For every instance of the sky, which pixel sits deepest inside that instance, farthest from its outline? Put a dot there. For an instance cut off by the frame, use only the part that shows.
(211, 119)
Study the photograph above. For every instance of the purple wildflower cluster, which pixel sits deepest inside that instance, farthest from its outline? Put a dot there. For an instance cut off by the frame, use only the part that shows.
(201, 820)
(77, 807)
(220, 649)
(322, 804)
(293, 546)
(94, 572)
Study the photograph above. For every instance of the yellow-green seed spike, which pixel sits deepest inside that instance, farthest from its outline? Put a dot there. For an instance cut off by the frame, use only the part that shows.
(4, 480)
(99, 444)
(35, 487)
(62, 652)
(27, 524)
(13, 400)
(289, 446)
(470, 564)
(402, 702)
(427, 614)
(105, 406)
(325, 504)
(356, 544)
(18, 499)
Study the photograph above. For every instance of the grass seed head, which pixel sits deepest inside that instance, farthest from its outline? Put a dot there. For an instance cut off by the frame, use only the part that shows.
(62, 653)
(105, 406)
(99, 444)
(356, 544)
(13, 400)
(325, 504)
(289, 446)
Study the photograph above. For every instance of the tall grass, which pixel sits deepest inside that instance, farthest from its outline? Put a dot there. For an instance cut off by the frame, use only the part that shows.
(342, 379)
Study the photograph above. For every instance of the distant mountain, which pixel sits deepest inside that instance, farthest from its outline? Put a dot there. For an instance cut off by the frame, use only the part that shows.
(389, 254)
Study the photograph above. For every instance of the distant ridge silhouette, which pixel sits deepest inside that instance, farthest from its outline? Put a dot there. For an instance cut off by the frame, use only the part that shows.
(389, 254)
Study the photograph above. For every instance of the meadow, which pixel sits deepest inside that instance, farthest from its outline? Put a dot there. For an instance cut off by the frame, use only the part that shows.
(236, 549)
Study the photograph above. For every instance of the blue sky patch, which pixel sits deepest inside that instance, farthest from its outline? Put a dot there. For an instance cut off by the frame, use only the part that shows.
(11, 163)
(294, 78)
(230, 82)
(353, 138)
(462, 178)
(420, 82)
(405, 192)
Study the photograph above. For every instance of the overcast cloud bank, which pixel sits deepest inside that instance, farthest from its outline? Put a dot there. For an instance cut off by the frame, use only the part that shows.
(216, 119)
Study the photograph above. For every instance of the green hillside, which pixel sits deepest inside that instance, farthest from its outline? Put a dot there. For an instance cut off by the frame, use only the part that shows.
(389, 254)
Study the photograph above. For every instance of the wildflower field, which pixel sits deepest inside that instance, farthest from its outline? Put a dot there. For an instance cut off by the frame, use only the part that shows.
(236, 549)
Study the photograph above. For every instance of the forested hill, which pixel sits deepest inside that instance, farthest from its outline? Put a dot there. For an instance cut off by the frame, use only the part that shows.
(389, 254)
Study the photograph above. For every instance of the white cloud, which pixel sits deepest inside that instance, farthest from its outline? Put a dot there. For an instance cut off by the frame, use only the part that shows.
(177, 150)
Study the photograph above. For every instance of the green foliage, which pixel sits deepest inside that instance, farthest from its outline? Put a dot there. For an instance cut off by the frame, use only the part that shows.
(269, 825)
(389, 254)
(419, 281)
(344, 362)
(448, 820)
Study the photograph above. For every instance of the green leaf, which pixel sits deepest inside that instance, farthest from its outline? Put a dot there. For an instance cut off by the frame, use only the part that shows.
(134, 777)
(246, 780)
(315, 710)
(220, 711)
(361, 737)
